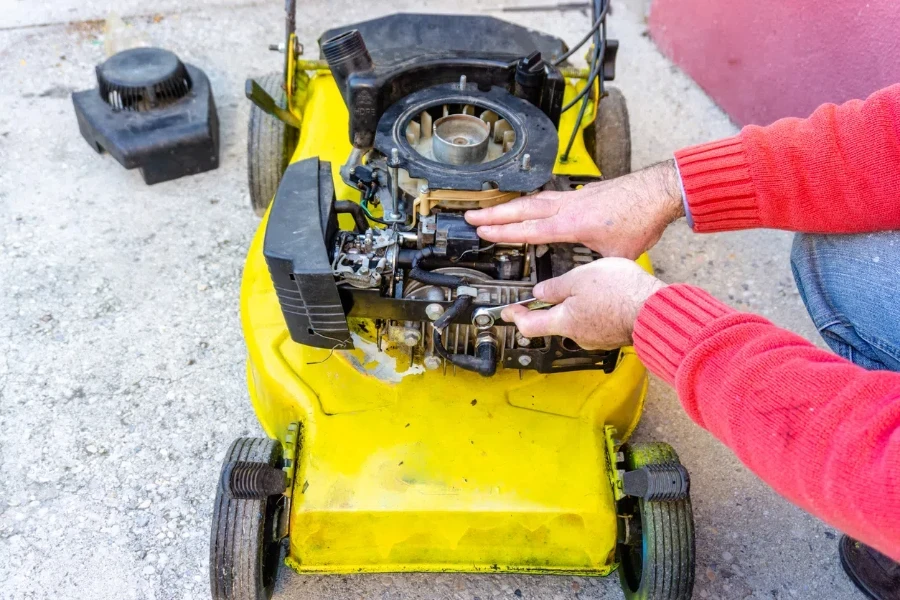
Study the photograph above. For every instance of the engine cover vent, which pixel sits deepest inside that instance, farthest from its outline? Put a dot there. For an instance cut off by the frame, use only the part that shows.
(142, 79)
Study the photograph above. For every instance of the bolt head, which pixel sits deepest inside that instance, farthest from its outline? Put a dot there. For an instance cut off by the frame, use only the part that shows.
(482, 320)
(434, 311)
(524, 360)
(411, 338)
(432, 362)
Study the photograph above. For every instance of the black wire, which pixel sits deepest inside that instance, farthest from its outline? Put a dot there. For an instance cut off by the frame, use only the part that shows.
(596, 66)
(598, 21)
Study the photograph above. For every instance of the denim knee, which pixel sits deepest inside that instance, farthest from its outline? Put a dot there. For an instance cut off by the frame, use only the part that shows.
(849, 284)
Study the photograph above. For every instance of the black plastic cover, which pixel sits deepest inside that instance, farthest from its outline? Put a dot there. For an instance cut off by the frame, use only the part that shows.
(170, 141)
(399, 37)
(410, 52)
(302, 224)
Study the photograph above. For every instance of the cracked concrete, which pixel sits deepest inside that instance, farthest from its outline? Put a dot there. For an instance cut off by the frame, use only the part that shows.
(121, 358)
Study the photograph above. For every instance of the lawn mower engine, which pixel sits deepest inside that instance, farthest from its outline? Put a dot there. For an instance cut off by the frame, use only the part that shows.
(433, 136)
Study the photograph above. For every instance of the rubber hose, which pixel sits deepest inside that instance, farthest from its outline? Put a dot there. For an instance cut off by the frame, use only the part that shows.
(345, 207)
(484, 362)
(429, 278)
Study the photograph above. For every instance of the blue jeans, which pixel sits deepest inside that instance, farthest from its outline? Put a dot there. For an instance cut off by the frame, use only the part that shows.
(851, 287)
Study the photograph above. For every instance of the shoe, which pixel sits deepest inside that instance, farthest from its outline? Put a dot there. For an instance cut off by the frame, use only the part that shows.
(876, 575)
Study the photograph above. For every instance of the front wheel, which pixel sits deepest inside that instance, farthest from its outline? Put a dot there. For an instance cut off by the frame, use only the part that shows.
(656, 557)
(245, 548)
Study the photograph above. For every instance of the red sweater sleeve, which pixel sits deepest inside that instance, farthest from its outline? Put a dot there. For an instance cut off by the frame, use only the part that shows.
(820, 430)
(836, 172)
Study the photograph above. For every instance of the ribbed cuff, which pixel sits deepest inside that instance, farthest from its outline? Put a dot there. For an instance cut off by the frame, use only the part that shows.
(718, 187)
(669, 323)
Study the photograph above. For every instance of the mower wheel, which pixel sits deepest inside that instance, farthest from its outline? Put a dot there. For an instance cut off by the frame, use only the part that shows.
(608, 138)
(244, 551)
(656, 562)
(270, 144)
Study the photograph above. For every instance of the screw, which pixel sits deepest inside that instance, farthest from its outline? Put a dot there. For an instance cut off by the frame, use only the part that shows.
(462, 83)
(411, 338)
(395, 157)
(526, 162)
(434, 311)
(432, 362)
(522, 340)
(524, 360)
(423, 189)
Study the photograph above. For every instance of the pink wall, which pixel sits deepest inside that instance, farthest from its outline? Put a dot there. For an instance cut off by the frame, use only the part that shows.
(761, 60)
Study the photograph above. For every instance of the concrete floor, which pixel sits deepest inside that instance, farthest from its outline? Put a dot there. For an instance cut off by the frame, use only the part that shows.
(121, 358)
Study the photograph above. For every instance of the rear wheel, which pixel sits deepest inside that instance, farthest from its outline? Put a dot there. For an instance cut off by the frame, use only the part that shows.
(656, 560)
(245, 548)
(608, 138)
(270, 144)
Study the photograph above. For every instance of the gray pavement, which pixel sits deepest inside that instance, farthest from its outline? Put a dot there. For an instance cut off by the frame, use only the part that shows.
(121, 357)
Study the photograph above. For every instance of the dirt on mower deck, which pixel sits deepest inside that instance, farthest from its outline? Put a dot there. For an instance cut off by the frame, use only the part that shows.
(121, 357)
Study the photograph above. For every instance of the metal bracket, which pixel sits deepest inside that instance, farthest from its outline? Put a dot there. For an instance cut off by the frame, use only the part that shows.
(258, 96)
(657, 482)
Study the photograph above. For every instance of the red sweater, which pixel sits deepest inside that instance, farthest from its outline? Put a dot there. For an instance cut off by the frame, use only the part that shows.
(822, 431)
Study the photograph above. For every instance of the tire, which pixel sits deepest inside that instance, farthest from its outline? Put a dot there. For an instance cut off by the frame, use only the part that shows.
(608, 138)
(244, 554)
(658, 561)
(270, 144)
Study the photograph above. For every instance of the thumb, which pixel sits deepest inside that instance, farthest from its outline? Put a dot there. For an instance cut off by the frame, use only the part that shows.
(554, 290)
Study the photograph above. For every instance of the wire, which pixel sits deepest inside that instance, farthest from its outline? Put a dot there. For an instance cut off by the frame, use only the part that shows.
(365, 206)
(596, 66)
(597, 23)
(590, 81)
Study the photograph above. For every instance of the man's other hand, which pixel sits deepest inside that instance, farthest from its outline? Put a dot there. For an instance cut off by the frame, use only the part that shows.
(596, 304)
(621, 217)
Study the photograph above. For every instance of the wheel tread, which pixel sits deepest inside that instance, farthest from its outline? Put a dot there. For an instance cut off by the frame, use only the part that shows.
(669, 563)
(236, 533)
(270, 143)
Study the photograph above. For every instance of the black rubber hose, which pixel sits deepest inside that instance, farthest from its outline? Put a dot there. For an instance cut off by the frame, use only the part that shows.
(345, 207)
(429, 278)
(485, 360)
(438, 279)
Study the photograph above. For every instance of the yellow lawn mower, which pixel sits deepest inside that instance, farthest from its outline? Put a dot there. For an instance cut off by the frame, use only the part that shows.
(410, 428)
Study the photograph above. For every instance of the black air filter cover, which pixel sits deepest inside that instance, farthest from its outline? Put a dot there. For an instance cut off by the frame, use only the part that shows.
(153, 112)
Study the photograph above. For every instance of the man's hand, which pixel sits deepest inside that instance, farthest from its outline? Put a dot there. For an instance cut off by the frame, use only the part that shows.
(620, 217)
(596, 304)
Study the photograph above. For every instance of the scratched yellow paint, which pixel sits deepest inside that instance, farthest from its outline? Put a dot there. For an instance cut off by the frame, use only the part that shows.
(404, 471)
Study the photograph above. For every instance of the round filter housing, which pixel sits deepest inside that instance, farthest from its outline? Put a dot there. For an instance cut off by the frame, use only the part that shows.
(460, 139)
(141, 79)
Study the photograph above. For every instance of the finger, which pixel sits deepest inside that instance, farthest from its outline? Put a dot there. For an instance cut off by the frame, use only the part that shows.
(508, 313)
(537, 323)
(540, 231)
(554, 290)
(539, 206)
